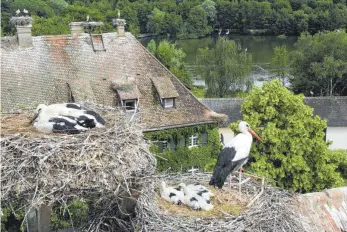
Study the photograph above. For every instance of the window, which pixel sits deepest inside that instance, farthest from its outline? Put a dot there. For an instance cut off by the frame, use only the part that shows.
(162, 145)
(194, 140)
(204, 138)
(168, 102)
(130, 105)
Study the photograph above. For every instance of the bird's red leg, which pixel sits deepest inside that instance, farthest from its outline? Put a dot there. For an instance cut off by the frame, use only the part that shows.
(240, 172)
(217, 195)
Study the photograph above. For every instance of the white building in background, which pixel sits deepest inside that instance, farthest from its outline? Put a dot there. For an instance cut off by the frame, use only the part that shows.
(332, 109)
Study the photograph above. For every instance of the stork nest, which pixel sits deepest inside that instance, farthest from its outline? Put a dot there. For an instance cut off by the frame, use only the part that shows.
(270, 209)
(103, 163)
(21, 21)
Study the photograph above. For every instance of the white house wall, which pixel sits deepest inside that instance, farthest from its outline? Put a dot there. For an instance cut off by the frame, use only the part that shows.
(339, 137)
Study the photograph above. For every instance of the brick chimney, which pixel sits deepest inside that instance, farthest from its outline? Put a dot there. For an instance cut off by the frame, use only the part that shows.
(24, 35)
(76, 28)
(23, 25)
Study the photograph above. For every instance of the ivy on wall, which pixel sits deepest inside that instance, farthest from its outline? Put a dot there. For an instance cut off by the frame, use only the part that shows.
(182, 157)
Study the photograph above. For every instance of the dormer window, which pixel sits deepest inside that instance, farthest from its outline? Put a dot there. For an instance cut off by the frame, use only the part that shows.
(168, 103)
(128, 94)
(166, 91)
(130, 105)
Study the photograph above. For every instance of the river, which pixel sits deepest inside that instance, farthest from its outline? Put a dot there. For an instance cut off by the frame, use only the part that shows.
(261, 48)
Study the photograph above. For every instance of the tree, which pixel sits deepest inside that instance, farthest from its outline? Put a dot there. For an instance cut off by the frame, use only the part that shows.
(210, 8)
(293, 151)
(319, 64)
(281, 56)
(152, 47)
(225, 69)
(172, 58)
(196, 25)
(156, 22)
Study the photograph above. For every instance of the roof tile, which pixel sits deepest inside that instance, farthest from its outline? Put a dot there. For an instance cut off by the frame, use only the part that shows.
(40, 74)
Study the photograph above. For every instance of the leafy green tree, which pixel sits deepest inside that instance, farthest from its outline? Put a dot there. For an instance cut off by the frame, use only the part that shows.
(50, 26)
(196, 25)
(152, 47)
(210, 8)
(172, 57)
(156, 22)
(319, 64)
(225, 68)
(281, 60)
(293, 151)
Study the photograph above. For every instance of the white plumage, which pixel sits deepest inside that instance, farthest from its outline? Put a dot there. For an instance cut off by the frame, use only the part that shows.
(194, 200)
(25, 11)
(18, 12)
(228, 31)
(171, 194)
(59, 124)
(234, 155)
(201, 190)
(69, 109)
(66, 117)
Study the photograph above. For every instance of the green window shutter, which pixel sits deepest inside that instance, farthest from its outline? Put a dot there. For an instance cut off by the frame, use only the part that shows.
(173, 144)
(204, 138)
(183, 142)
(160, 146)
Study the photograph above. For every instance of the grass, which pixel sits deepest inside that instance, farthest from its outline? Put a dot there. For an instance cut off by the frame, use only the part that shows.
(221, 208)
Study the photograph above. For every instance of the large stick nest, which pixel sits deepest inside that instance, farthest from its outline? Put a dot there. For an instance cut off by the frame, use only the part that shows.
(54, 168)
(274, 210)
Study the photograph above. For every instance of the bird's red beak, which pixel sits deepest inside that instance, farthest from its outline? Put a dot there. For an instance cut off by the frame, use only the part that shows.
(254, 135)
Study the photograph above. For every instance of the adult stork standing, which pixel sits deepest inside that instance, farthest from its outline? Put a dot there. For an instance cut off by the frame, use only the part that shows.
(234, 155)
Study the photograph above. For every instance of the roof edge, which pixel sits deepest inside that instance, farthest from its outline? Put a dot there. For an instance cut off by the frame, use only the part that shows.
(170, 73)
(178, 125)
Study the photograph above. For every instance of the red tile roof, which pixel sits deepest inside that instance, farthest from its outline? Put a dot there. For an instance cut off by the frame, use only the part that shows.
(59, 65)
(325, 211)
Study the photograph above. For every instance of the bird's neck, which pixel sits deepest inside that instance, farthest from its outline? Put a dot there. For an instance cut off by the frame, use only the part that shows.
(248, 135)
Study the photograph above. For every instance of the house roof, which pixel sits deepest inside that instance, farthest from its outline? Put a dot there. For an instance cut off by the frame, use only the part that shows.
(333, 109)
(58, 66)
(325, 211)
(229, 106)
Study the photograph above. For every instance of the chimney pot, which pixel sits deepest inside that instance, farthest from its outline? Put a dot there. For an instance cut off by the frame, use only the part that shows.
(120, 26)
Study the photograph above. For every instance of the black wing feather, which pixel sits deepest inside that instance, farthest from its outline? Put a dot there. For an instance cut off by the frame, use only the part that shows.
(225, 166)
(61, 125)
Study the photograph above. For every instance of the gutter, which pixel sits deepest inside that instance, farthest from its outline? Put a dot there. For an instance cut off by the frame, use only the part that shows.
(178, 125)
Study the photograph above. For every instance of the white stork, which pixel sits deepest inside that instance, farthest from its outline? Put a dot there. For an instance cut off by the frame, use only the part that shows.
(194, 199)
(228, 31)
(234, 155)
(90, 118)
(171, 194)
(61, 124)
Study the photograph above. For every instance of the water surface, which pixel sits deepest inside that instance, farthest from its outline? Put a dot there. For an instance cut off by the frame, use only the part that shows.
(261, 48)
